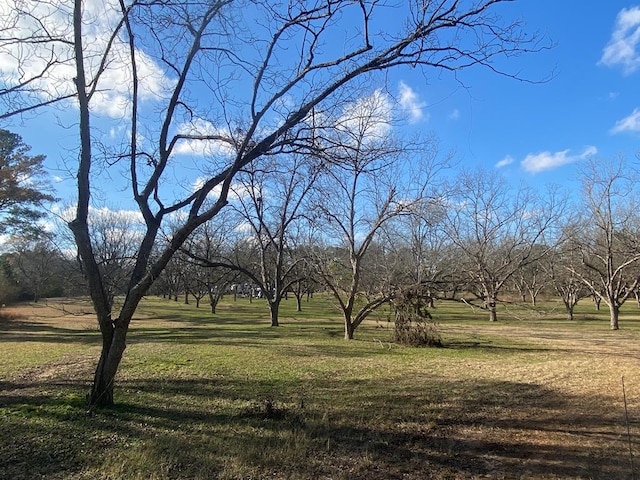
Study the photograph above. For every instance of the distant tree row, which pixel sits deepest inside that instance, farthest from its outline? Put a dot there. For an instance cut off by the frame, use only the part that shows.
(363, 224)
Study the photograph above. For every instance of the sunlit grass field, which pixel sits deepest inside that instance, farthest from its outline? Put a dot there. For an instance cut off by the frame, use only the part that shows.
(226, 396)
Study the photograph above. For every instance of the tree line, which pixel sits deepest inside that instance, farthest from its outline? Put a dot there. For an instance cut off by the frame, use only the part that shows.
(367, 233)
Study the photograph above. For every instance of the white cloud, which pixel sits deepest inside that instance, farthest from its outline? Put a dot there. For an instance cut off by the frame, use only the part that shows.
(455, 114)
(368, 117)
(22, 61)
(535, 163)
(410, 103)
(628, 124)
(622, 48)
(201, 146)
(67, 213)
(508, 160)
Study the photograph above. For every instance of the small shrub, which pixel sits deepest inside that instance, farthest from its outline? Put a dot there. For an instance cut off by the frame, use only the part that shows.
(414, 325)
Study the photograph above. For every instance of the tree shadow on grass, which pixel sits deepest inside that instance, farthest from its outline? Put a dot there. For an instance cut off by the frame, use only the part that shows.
(489, 346)
(312, 428)
(249, 334)
(34, 331)
(186, 331)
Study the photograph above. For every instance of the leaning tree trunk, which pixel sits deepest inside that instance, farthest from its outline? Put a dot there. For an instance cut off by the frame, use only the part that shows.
(113, 346)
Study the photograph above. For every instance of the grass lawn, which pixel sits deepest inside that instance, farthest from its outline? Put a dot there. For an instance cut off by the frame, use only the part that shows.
(225, 396)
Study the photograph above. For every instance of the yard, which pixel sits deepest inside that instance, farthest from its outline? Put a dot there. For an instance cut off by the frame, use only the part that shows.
(225, 396)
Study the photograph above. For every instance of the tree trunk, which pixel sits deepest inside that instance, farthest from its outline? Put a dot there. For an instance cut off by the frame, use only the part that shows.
(615, 312)
(569, 313)
(274, 307)
(597, 301)
(213, 300)
(430, 302)
(493, 314)
(113, 346)
(298, 302)
(349, 329)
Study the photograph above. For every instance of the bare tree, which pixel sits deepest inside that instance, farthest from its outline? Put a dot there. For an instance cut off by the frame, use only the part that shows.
(33, 264)
(208, 251)
(430, 256)
(301, 279)
(498, 231)
(170, 282)
(607, 234)
(369, 183)
(267, 203)
(115, 236)
(560, 266)
(195, 77)
(531, 279)
(271, 200)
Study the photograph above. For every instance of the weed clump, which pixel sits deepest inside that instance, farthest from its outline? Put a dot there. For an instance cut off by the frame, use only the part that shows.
(414, 325)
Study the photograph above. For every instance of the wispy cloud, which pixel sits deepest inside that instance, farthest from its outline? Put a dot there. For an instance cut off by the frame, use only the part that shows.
(410, 103)
(539, 162)
(622, 49)
(628, 124)
(508, 160)
(455, 114)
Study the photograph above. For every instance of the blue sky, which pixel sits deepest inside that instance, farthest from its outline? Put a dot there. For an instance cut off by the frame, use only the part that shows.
(534, 131)
(540, 132)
